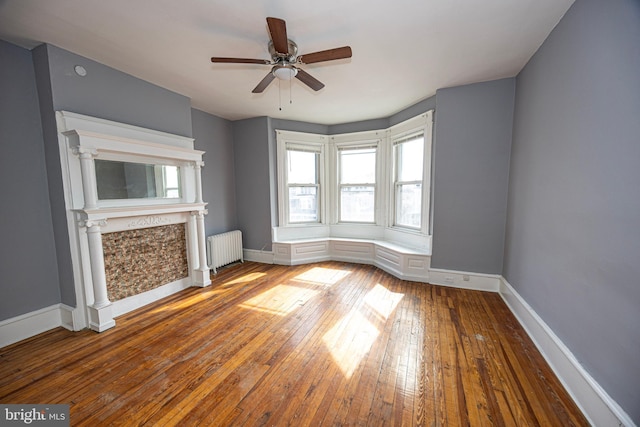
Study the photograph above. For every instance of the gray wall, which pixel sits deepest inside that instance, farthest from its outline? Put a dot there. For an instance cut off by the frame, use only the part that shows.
(413, 110)
(214, 135)
(28, 268)
(573, 229)
(34, 85)
(473, 130)
(362, 126)
(386, 122)
(251, 166)
(297, 126)
(113, 95)
(54, 177)
(106, 93)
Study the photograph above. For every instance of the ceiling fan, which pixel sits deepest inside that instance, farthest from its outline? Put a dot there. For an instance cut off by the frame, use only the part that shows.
(285, 60)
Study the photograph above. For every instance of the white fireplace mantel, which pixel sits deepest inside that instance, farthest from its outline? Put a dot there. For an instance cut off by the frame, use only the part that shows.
(82, 140)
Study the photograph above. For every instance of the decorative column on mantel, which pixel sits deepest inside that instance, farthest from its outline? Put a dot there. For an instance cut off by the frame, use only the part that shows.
(198, 166)
(202, 275)
(100, 313)
(88, 171)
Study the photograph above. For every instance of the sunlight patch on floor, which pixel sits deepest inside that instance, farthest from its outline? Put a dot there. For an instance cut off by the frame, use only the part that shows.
(382, 300)
(186, 303)
(322, 276)
(244, 279)
(349, 341)
(280, 300)
(208, 293)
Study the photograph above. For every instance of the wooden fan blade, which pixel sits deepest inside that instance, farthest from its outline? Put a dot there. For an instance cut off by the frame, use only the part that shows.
(326, 55)
(240, 61)
(309, 80)
(278, 31)
(264, 83)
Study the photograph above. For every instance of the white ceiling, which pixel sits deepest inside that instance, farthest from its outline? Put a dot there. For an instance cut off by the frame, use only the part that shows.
(403, 50)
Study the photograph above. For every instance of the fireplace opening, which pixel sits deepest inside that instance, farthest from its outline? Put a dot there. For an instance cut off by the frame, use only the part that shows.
(143, 259)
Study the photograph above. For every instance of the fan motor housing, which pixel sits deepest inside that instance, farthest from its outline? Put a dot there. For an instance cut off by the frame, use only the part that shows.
(277, 57)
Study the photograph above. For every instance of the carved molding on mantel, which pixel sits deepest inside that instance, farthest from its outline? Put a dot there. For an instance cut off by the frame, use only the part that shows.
(84, 152)
(148, 221)
(134, 217)
(92, 223)
(140, 211)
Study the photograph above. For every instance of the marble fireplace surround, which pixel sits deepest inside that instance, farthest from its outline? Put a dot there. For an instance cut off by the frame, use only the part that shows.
(82, 140)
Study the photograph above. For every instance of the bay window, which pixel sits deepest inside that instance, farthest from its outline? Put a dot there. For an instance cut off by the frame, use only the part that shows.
(373, 183)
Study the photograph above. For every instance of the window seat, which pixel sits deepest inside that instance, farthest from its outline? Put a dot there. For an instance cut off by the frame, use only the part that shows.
(400, 260)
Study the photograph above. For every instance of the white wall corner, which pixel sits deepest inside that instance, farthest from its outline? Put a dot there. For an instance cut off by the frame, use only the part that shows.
(29, 324)
(465, 280)
(71, 318)
(599, 408)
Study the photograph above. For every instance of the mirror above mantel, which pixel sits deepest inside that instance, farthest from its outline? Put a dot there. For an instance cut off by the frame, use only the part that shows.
(117, 180)
(144, 168)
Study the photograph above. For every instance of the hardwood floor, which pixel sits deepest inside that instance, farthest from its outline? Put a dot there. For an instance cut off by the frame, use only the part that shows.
(321, 344)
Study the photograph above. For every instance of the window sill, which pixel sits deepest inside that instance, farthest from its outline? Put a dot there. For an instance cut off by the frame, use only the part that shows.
(367, 232)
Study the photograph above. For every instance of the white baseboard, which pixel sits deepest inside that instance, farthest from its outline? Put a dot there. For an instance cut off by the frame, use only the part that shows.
(29, 324)
(465, 280)
(265, 257)
(599, 408)
(402, 275)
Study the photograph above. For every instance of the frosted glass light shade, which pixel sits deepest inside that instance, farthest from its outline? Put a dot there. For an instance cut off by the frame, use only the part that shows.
(285, 73)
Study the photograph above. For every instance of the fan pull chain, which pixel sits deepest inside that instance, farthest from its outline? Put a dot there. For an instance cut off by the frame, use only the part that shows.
(279, 95)
(290, 102)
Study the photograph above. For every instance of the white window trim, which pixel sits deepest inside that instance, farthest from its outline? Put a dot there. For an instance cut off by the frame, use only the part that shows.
(285, 138)
(353, 141)
(419, 124)
(329, 225)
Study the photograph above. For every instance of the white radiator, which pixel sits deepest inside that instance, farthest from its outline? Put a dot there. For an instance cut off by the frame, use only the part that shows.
(223, 249)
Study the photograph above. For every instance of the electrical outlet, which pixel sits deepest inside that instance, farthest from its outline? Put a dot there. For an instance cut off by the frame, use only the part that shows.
(466, 277)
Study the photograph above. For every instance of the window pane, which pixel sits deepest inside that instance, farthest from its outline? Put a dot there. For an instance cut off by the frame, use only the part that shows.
(358, 166)
(171, 176)
(173, 194)
(302, 167)
(303, 204)
(408, 204)
(409, 160)
(357, 204)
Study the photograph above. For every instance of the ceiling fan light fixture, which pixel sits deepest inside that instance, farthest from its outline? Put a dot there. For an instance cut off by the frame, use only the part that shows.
(284, 57)
(285, 72)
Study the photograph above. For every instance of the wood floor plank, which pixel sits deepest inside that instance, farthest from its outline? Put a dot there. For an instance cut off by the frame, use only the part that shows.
(407, 391)
(330, 343)
(340, 300)
(357, 400)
